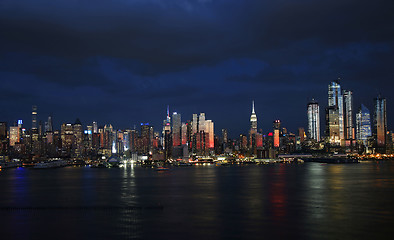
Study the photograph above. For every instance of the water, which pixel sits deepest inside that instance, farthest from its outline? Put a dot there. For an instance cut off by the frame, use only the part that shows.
(308, 201)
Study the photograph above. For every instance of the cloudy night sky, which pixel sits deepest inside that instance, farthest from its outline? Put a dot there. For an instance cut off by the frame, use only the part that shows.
(124, 61)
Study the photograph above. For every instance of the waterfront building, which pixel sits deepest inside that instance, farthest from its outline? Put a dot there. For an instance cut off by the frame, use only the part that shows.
(313, 122)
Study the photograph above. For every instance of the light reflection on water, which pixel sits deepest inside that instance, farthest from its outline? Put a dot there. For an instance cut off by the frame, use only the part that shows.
(309, 201)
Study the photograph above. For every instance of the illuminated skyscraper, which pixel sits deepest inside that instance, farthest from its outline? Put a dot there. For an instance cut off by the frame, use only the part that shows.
(276, 126)
(166, 135)
(95, 128)
(363, 125)
(380, 123)
(176, 129)
(14, 135)
(195, 124)
(314, 120)
(253, 120)
(348, 114)
(334, 114)
(34, 117)
(209, 128)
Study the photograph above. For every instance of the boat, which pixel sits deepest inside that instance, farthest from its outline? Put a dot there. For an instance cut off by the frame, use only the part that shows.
(54, 163)
(161, 168)
(12, 164)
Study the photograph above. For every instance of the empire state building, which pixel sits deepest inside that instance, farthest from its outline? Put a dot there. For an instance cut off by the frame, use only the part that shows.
(253, 120)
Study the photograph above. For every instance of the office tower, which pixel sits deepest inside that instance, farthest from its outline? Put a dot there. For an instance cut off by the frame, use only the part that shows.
(348, 114)
(201, 122)
(276, 126)
(301, 132)
(225, 135)
(67, 137)
(334, 114)
(253, 121)
(95, 128)
(167, 136)
(209, 128)
(176, 129)
(20, 123)
(34, 117)
(313, 121)
(380, 123)
(78, 137)
(195, 124)
(253, 130)
(146, 137)
(50, 124)
(167, 122)
(3, 137)
(363, 125)
(184, 138)
(243, 142)
(14, 135)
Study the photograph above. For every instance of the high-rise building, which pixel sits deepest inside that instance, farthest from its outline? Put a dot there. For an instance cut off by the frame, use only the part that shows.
(49, 125)
(224, 135)
(3, 137)
(176, 129)
(15, 135)
(95, 128)
(253, 120)
(34, 117)
(348, 114)
(209, 128)
(380, 122)
(363, 125)
(201, 122)
(334, 114)
(195, 124)
(313, 121)
(276, 126)
(78, 137)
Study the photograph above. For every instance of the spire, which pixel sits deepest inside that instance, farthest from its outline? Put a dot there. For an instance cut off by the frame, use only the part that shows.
(168, 111)
(253, 106)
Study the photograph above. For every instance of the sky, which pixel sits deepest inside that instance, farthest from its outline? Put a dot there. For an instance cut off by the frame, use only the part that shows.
(123, 61)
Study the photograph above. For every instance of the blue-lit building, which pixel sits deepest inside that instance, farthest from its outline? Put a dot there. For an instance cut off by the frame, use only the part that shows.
(363, 125)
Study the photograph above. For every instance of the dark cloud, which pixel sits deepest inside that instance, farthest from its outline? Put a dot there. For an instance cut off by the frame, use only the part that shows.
(134, 57)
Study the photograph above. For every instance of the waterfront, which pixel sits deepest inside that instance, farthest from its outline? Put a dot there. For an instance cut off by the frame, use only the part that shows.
(280, 201)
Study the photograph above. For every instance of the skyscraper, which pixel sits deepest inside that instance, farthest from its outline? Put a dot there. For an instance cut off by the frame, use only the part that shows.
(176, 128)
(14, 135)
(95, 128)
(363, 125)
(348, 114)
(314, 120)
(380, 122)
(276, 126)
(334, 114)
(253, 120)
(34, 117)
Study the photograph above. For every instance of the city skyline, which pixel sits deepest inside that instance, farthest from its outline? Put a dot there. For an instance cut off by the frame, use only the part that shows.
(126, 61)
(34, 121)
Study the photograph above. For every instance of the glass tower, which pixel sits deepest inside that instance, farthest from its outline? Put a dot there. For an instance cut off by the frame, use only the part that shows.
(363, 125)
(313, 120)
(380, 122)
